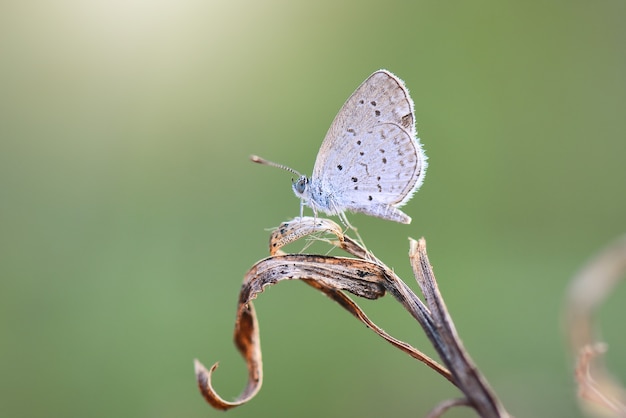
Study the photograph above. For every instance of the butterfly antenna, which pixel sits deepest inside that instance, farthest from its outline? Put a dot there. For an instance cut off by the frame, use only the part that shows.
(262, 161)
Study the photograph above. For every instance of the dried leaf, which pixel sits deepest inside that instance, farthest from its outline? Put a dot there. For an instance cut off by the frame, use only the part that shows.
(359, 277)
(367, 277)
(298, 228)
(249, 345)
(356, 311)
(446, 341)
(307, 226)
(599, 391)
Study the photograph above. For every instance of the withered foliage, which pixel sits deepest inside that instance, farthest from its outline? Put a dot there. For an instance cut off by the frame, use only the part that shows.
(599, 392)
(361, 275)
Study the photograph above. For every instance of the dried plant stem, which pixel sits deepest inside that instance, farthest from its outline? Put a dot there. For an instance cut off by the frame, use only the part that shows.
(441, 409)
(364, 276)
(448, 344)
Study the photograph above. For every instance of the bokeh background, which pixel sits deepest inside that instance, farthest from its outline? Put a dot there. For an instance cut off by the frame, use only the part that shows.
(129, 211)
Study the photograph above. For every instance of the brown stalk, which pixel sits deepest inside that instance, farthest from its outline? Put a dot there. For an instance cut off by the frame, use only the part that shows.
(364, 276)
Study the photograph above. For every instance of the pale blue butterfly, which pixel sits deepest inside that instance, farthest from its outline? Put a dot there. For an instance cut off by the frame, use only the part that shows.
(371, 160)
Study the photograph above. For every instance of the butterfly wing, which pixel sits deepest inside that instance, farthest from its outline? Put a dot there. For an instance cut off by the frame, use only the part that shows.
(371, 156)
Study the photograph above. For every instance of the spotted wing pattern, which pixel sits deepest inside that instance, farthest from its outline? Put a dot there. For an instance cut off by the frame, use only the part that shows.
(370, 160)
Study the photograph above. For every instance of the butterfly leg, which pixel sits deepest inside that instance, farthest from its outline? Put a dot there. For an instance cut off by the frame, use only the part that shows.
(344, 220)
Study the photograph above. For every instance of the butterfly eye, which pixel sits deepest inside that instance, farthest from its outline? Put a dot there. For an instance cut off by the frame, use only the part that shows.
(300, 185)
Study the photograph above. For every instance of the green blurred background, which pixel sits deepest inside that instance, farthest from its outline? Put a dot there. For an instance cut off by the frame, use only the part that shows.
(129, 211)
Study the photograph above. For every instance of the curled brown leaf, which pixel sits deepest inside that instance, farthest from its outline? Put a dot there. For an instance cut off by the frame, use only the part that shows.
(249, 345)
(364, 276)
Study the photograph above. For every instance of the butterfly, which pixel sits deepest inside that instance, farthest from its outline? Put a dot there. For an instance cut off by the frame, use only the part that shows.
(371, 160)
